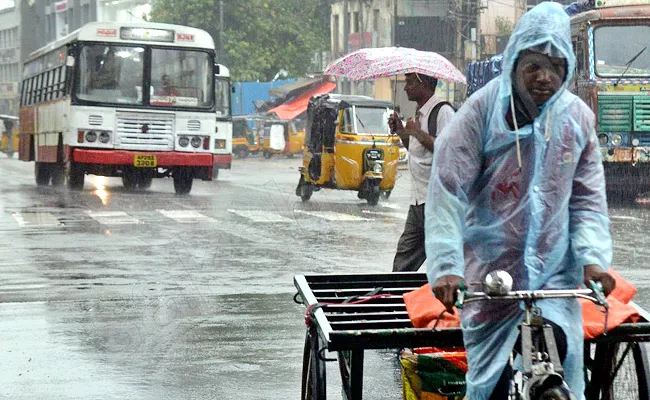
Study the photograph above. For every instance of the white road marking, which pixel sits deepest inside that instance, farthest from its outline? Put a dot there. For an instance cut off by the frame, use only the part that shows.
(625, 218)
(186, 216)
(386, 214)
(36, 219)
(113, 218)
(261, 216)
(333, 216)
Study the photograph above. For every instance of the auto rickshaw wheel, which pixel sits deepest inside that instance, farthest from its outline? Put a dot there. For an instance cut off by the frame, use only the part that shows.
(289, 155)
(386, 194)
(372, 196)
(305, 189)
(267, 154)
(242, 152)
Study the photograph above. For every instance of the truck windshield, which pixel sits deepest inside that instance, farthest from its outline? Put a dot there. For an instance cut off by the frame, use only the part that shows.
(222, 97)
(613, 54)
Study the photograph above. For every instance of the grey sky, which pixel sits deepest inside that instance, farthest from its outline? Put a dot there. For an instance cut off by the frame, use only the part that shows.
(6, 3)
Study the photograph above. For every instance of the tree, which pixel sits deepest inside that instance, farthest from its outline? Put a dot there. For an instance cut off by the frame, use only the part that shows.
(260, 37)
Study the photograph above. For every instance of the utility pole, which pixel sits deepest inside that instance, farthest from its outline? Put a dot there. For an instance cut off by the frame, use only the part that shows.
(394, 23)
(220, 29)
(459, 36)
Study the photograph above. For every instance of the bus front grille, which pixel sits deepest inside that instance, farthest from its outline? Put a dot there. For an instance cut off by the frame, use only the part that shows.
(144, 131)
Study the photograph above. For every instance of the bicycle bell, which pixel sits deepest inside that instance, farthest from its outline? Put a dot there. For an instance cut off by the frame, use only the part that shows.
(497, 283)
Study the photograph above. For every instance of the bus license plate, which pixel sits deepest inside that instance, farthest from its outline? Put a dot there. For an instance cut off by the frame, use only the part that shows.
(143, 161)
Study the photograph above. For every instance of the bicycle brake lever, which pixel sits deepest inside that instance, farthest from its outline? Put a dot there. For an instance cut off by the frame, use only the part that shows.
(597, 288)
(460, 295)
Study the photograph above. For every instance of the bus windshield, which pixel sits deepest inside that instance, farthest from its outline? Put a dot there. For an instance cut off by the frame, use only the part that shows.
(613, 54)
(115, 74)
(222, 98)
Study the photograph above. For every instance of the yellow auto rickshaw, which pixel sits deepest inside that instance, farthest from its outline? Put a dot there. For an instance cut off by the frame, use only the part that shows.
(282, 137)
(245, 135)
(10, 138)
(349, 146)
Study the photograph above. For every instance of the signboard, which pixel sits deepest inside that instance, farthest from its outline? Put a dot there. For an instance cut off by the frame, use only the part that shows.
(619, 3)
(61, 6)
(362, 40)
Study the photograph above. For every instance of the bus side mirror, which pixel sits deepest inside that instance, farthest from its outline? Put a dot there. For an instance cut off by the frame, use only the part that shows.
(69, 61)
(232, 89)
(217, 69)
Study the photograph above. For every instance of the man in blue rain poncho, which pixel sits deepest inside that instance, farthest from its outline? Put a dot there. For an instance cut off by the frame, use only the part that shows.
(517, 184)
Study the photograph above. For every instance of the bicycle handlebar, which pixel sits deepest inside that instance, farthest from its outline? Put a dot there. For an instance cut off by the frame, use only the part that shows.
(595, 294)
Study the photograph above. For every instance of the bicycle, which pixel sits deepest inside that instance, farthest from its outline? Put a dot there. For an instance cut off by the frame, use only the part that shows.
(542, 376)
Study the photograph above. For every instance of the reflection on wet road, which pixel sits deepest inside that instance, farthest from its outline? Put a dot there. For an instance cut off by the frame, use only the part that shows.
(111, 294)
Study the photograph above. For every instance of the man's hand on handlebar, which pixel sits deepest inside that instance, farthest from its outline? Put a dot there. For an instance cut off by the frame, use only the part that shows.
(446, 288)
(595, 273)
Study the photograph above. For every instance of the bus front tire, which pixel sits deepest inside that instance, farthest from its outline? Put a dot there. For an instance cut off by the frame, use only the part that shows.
(182, 182)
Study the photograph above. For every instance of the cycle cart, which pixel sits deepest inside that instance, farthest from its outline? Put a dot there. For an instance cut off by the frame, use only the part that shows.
(351, 313)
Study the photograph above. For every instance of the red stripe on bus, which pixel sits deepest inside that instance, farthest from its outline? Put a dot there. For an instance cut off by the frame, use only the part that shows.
(122, 157)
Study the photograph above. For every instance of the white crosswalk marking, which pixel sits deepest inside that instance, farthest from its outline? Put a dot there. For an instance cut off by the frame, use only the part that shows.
(261, 216)
(113, 217)
(36, 219)
(333, 216)
(386, 214)
(186, 216)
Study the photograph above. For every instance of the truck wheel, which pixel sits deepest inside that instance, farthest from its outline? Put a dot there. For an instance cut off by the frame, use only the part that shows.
(75, 176)
(43, 173)
(182, 182)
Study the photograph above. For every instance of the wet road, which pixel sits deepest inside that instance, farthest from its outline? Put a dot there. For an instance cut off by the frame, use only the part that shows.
(109, 294)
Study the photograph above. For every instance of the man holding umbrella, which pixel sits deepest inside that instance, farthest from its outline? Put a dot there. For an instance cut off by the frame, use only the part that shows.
(418, 136)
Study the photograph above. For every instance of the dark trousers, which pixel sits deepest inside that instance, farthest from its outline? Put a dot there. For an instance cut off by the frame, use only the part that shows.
(410, 248)
(500, 391)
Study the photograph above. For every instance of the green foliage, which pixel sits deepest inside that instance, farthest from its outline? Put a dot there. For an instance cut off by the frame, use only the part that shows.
(504, 26)
(260, 37)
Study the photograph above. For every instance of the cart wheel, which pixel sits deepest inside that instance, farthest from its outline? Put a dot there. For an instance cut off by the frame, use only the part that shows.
(625, 373)
(313, 371)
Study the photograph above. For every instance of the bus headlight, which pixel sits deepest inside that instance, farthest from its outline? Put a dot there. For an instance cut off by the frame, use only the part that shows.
(183, 141)
(617, 139)
(91, 136)
(635, 142)
(104, 137)
(196, 142)
(603, 139)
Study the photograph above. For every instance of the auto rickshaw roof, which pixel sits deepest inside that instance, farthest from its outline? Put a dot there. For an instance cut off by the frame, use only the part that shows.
(346, 100)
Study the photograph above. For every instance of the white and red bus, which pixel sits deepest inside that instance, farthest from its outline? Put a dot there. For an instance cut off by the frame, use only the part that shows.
(84, 109)
(223, 98)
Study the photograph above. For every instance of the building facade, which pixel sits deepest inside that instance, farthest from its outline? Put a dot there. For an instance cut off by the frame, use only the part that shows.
(9, 60)
(50, 20)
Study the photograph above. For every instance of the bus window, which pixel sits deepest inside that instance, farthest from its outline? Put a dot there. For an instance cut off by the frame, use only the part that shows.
(110, 74)
(222, 98)
(181, 78)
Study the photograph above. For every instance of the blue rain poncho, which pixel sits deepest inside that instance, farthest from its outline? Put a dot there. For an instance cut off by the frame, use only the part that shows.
(542, 222)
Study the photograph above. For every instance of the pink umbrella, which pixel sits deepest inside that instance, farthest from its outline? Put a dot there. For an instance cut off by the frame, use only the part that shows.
(380, 62)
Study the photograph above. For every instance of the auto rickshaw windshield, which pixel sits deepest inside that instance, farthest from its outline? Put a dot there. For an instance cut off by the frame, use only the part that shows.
(366, 120)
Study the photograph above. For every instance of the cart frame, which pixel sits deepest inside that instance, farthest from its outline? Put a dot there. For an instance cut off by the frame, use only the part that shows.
(351, 313)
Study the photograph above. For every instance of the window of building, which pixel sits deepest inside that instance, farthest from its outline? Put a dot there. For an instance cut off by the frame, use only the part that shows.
(335, 34)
